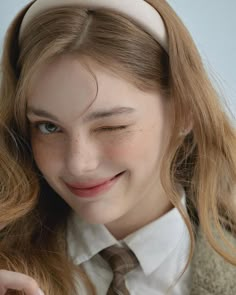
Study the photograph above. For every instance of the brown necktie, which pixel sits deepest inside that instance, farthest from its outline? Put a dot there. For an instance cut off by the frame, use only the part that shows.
(121, 261)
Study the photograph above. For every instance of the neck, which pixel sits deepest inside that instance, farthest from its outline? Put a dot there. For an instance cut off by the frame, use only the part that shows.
(142, 214)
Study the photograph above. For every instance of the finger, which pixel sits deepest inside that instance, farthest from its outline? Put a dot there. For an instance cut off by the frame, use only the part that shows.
(18, 281)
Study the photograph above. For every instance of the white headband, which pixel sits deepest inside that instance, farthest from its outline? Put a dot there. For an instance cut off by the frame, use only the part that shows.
(138, 10)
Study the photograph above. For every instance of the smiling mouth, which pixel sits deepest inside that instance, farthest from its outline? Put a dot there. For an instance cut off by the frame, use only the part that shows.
(96, 184)
(95, 190)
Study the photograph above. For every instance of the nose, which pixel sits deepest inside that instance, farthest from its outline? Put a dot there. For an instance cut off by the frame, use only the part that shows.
(81, 157)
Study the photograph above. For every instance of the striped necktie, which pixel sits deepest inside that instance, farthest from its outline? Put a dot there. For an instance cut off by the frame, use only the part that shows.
(121, 261)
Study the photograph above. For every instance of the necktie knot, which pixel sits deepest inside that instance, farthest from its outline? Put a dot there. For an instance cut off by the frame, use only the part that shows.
(121, 261)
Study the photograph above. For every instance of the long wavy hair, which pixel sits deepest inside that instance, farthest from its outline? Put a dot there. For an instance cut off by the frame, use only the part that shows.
(33, 217)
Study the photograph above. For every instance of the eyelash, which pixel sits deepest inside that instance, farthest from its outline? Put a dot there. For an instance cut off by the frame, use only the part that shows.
(108, 129)
(37, 125)
(115, 128)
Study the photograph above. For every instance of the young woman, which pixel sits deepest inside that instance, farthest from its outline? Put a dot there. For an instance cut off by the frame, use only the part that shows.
(112, 134)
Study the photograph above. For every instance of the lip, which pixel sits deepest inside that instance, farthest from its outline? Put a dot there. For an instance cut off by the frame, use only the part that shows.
(94, 189)
(89, 185)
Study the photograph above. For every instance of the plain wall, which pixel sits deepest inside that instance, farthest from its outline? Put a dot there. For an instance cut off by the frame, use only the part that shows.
(212, 24)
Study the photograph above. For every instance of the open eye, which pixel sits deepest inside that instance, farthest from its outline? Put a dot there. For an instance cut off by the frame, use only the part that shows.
(47, 127)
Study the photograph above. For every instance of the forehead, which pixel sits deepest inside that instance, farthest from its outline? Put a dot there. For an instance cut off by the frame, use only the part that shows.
(71, 80)
(72, 90)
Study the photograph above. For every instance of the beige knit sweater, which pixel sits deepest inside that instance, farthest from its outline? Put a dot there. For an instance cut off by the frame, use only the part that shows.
(211, 274)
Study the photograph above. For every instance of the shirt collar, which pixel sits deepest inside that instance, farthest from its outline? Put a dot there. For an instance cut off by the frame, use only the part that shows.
(86, 240)
(151, 244)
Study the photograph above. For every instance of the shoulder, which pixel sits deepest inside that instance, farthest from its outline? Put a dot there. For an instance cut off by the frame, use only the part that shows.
(211, 274)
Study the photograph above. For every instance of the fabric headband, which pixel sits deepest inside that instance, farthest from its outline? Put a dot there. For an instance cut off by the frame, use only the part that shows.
(138, 10)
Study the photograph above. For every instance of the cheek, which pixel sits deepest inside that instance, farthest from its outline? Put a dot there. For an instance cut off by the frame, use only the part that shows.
(45, 156)
(40, 157)
(134, 148)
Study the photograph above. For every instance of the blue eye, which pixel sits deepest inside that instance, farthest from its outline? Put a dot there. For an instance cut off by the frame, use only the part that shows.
(47, 128)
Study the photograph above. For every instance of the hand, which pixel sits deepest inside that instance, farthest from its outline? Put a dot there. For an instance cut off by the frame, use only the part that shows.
(18, 281)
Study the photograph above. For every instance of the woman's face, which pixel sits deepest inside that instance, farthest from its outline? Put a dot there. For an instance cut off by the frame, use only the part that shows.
(124, 132)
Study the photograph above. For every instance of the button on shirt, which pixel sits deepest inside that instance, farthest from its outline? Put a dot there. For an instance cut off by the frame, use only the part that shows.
(162, 248)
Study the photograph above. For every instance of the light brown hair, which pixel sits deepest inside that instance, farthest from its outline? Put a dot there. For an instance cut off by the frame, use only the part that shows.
(32, 240)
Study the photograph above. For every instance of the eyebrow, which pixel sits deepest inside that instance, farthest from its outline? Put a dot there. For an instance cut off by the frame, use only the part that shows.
(116, 111)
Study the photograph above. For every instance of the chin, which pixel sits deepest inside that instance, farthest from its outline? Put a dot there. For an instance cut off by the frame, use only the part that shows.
(96, 218)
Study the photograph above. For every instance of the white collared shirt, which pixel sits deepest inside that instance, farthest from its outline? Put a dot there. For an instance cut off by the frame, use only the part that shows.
(162, 248)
